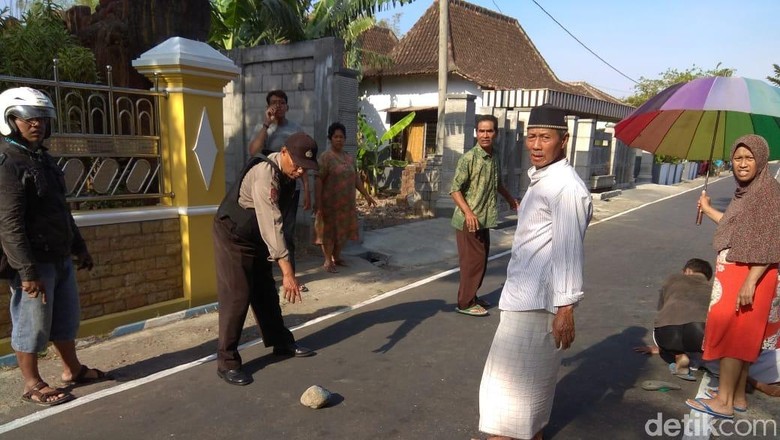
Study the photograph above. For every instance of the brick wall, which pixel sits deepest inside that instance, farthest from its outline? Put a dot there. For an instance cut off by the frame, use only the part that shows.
(136, 264)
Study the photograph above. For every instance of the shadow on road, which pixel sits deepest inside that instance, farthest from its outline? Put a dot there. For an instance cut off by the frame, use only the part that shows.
(172, 359)
(603, 374)
(409, 315)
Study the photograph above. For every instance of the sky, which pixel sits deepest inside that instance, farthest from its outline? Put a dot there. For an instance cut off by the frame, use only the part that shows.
(640, 38)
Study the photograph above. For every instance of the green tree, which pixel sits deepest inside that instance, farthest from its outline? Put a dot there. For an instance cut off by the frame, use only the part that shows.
(776, 78)
(248, 23)
(373, 154)
(647, 88)
(28, 46)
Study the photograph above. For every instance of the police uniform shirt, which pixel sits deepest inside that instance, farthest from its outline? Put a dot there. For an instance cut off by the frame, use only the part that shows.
(260, 190)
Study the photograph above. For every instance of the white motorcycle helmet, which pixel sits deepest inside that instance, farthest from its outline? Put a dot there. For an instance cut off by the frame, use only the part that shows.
(25, 103)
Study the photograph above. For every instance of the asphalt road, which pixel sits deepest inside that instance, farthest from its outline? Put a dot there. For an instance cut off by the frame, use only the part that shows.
(408, 367)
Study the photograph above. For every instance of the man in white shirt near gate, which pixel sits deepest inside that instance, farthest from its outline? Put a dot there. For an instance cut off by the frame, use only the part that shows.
(544, 283)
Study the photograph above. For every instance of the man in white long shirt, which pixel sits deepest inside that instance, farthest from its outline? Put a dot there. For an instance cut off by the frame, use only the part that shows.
(544, 283)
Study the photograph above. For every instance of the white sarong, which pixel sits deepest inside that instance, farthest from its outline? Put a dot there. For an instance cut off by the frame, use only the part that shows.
(518, 383)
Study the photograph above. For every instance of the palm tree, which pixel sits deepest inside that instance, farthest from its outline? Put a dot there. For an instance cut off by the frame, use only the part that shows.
(775, 80)
(248, 23)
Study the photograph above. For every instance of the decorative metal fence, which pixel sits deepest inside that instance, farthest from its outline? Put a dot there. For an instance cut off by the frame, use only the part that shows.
(106, 140)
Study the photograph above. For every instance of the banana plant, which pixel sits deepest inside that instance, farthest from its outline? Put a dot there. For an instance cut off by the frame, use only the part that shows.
(369, 157)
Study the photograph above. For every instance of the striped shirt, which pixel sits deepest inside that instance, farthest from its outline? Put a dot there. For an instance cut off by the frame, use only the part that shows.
(546, 267)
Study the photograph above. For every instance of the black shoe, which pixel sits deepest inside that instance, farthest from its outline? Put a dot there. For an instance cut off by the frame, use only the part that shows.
(235, 377)
(293, 350)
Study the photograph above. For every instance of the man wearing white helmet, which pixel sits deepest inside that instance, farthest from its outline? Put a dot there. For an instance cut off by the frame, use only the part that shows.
(38, 237)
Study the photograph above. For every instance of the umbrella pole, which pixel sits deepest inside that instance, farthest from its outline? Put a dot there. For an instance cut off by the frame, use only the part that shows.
(709, 165)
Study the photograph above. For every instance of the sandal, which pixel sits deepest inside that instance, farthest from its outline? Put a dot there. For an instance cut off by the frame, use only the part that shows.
(331, 268)
(38, 397)
(684, 376)
(713, 394)
(659, 385)
(82, 379)
(701, 406)
(475, 310)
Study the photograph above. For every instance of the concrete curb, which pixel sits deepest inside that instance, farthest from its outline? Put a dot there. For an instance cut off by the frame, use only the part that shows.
(9, 360)
(162, 320)
(610, 194)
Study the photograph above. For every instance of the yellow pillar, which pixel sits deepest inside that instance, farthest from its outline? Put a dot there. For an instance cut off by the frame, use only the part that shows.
(192, 145)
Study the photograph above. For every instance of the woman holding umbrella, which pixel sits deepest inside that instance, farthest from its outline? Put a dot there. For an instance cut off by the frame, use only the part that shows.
(747, 240)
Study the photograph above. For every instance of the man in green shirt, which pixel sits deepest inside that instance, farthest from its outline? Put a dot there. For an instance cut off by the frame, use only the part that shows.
(477, 178)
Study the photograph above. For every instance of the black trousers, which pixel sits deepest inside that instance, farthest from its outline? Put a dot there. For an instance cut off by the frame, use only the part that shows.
(244, 279)
(679, 339)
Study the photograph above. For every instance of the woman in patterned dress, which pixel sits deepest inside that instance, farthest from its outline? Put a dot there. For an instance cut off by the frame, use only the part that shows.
(747, 240)
(336, 214)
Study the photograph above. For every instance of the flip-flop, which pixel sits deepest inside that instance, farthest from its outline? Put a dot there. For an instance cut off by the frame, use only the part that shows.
(713, 394)
(475, 310)
(659, 385)
(704, 408)
(684, 376)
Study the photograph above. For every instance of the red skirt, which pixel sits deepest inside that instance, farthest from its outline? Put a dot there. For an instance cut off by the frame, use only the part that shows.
(772, 334)
(732, 333)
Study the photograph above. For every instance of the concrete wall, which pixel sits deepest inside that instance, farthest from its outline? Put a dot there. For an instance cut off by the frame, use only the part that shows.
(320, 91)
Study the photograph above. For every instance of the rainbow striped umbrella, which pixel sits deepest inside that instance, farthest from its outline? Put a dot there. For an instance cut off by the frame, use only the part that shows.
(700, 119)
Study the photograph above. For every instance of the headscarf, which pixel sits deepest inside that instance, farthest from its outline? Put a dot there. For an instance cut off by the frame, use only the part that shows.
(750, 227)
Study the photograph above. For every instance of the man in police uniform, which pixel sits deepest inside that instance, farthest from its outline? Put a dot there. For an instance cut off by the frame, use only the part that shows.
(248, 236)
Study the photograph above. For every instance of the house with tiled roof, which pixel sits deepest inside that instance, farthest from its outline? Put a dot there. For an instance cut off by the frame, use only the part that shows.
(489, 56)
(378, 40)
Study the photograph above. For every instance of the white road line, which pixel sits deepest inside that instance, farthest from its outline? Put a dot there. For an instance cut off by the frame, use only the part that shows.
(653, 202)
(48, 412)
(40, 415)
